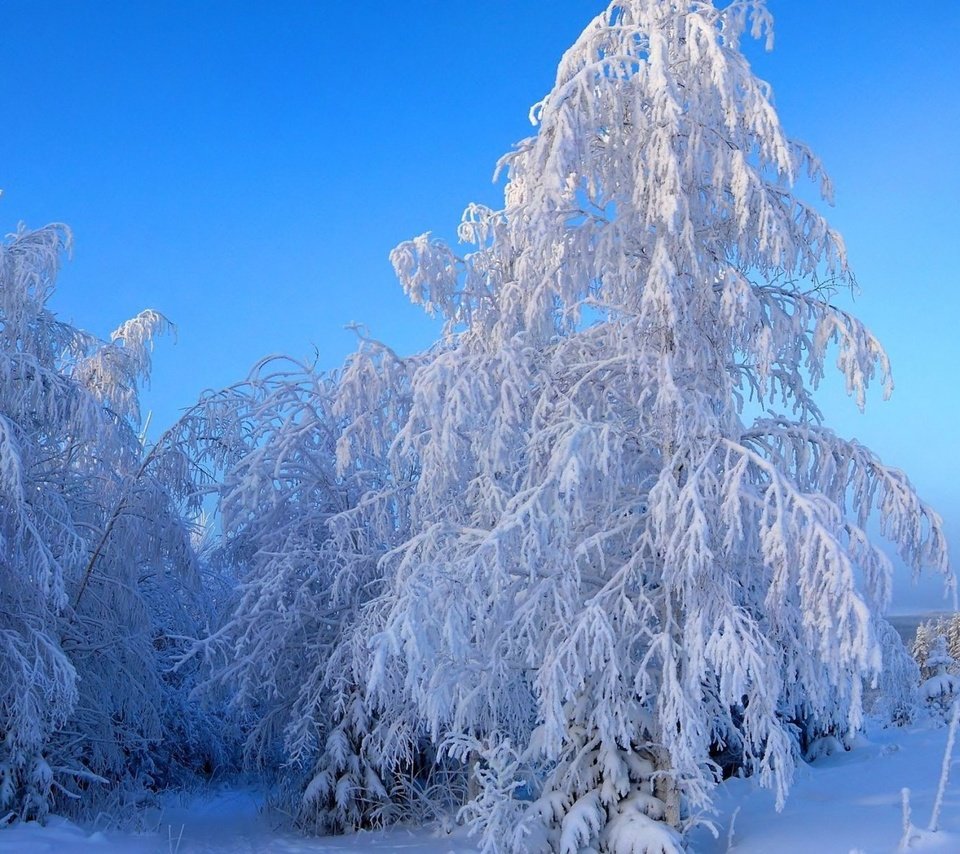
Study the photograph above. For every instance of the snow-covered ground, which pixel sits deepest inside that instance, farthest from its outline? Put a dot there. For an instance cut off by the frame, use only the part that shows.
(849, 803)
(227, 821)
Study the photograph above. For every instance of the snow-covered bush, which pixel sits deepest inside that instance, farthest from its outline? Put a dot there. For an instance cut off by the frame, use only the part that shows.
(613, 574)
(96, 565)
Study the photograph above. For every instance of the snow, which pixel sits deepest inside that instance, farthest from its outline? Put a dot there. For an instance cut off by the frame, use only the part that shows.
(224, 821)
(846, 802)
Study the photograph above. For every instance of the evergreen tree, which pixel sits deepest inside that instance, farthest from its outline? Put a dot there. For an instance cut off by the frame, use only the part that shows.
(941, 684)
(895, 697)
(930, 630)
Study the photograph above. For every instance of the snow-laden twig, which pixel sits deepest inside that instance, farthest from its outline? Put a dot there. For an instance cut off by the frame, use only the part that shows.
(908, 828)
(945, 768)
(730, 829)
(174, 848)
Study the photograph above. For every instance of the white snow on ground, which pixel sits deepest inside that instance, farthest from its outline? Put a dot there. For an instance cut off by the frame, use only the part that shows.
(848, 803)
(219, 822)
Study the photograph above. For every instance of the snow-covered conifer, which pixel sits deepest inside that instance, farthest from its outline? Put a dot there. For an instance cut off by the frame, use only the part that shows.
(928, 631)
(895, 696)
(942, 683)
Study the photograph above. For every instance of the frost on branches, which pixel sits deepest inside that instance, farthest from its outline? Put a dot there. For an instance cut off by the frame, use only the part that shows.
(619, 584)
(96, 561)
(309, 504)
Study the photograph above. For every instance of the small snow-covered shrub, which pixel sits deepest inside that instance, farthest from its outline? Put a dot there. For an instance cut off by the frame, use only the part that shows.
(936, 649)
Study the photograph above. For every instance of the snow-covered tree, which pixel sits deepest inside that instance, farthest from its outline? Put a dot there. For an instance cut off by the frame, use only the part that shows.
(96, 563)
(930, 630)
(941, 684)
(894, 697)
(636, 558)
(308, 506)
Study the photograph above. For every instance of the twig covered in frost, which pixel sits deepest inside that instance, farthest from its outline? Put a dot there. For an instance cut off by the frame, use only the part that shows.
(174, 848)
(908, 828)
(730, 829)
(945, 768)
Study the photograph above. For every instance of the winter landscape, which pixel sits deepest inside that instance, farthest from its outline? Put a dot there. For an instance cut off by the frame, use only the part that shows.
(586, 558)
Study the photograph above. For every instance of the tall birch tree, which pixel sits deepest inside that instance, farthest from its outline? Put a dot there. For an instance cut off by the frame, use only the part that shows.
(97, 565)
(638, 559)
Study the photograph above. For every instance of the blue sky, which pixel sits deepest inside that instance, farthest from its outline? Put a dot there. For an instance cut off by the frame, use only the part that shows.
(246, 168)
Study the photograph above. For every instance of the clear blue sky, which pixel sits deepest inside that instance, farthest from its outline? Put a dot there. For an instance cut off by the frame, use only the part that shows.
(246, 168)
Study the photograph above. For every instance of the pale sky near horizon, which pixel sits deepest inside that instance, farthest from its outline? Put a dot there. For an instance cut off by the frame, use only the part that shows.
(246, 168)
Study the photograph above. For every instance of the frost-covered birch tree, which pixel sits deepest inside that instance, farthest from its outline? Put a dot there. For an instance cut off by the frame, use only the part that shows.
(308, 505)
(637, 559)
(97, 567)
